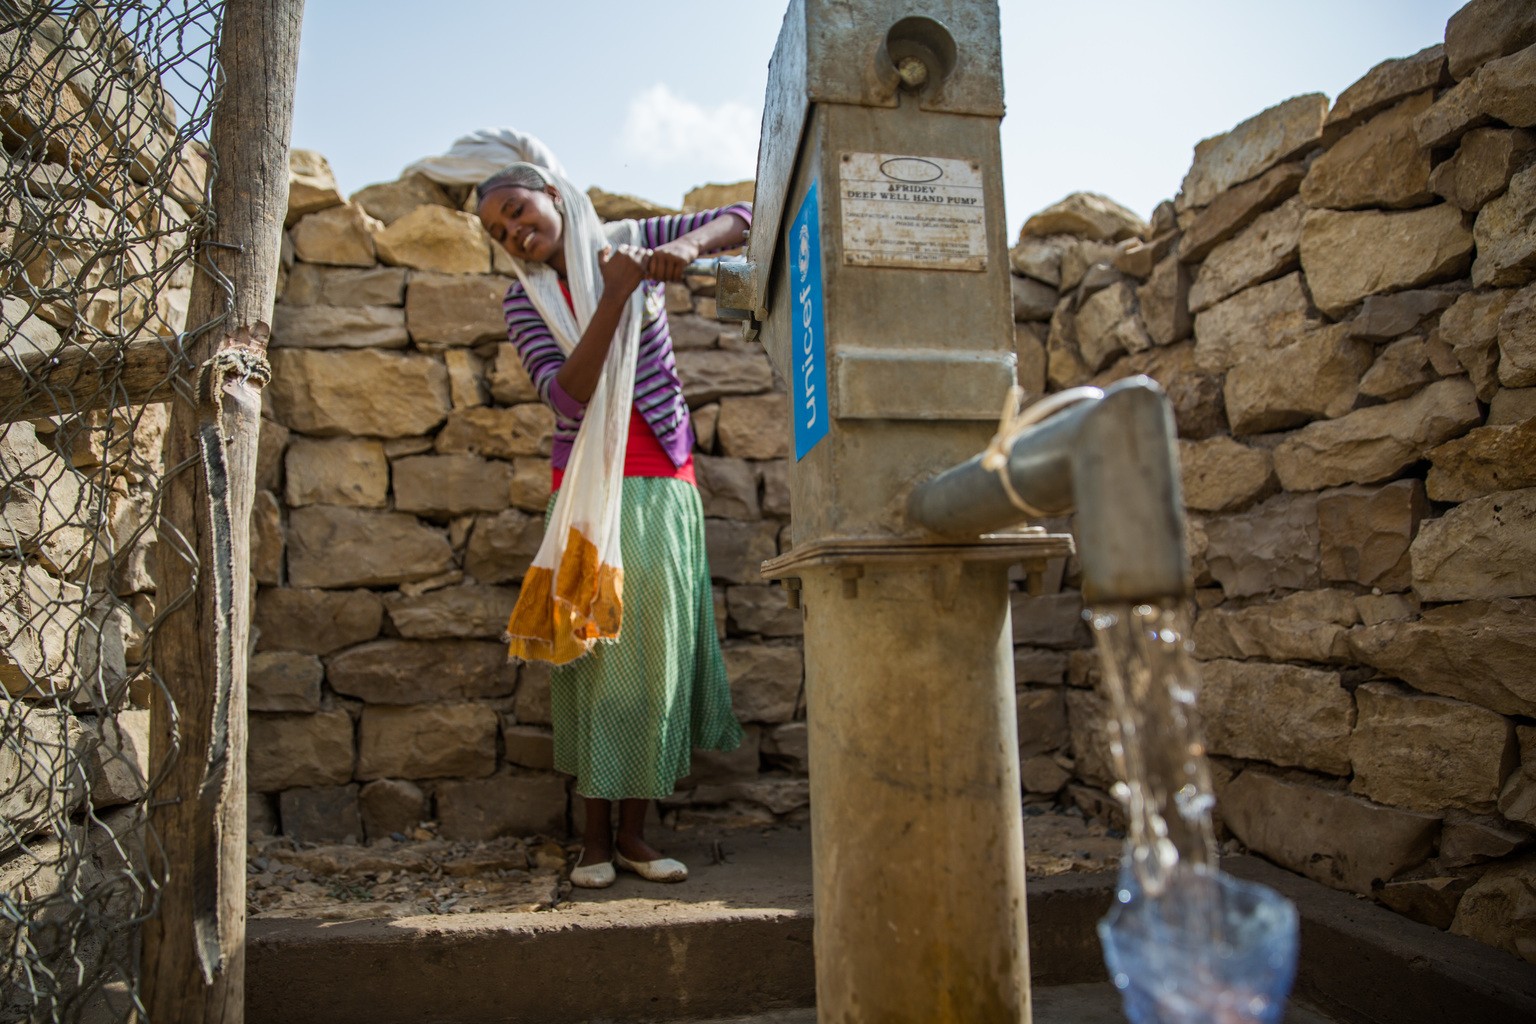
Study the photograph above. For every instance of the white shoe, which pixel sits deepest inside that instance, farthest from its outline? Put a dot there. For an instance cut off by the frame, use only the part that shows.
(664, 869)
(593, 876)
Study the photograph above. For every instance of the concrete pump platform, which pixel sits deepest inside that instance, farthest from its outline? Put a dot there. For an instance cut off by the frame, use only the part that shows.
(734, 944)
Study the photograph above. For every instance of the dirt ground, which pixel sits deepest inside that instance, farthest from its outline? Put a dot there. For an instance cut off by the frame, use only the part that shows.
(427, 875)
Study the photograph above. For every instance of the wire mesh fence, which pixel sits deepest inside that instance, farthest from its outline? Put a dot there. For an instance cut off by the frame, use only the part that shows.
(104, 116)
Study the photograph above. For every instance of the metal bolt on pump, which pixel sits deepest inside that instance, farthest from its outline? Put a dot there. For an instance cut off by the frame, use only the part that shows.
(913, 72)
(877, 279)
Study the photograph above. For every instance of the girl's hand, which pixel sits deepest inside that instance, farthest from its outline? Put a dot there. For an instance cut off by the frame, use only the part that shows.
(670, 259)
(623, 268)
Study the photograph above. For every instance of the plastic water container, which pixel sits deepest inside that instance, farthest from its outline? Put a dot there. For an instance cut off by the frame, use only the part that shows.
(1210, 949)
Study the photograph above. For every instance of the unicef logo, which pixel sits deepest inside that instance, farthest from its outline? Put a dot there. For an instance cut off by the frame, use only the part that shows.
(805, 250)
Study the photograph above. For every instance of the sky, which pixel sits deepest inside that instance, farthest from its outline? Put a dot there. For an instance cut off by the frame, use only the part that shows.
(1107, 96)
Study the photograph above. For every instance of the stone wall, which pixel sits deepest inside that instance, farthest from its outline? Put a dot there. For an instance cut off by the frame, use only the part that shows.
(1341, 303)
(404, 474)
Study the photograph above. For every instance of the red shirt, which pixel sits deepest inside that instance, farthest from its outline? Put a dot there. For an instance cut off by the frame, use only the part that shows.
(643, 455)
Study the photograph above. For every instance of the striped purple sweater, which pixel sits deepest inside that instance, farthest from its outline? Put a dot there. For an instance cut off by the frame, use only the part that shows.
(658, 392)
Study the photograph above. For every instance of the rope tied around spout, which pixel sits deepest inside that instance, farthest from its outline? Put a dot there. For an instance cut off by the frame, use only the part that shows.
(1015, 420)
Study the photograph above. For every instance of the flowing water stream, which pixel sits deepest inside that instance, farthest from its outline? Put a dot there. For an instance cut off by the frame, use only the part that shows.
(1185, 943)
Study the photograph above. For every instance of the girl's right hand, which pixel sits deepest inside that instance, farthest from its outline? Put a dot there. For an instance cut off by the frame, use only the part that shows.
(623, 268)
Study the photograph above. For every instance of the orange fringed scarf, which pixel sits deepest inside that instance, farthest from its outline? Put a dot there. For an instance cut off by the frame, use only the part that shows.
(560, 615)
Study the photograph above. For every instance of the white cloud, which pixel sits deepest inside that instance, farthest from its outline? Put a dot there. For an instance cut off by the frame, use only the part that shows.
(664, 129)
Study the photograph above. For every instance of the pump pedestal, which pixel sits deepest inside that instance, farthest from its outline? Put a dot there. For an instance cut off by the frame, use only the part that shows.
(877, 278)
(915, 823)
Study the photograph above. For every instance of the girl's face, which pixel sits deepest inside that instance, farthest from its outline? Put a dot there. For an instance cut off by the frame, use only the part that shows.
(527, 223)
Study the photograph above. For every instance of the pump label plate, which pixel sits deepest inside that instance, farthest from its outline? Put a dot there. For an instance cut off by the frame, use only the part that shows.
(913, 211)
(808, 348)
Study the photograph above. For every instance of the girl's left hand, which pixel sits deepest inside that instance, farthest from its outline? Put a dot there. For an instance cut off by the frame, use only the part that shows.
(670, 259)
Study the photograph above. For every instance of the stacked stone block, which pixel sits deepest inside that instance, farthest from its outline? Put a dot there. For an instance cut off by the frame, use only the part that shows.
(404, 475)
(1339, 303)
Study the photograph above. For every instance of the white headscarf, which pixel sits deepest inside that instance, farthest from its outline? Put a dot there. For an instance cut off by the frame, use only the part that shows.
(474, 157)
(572, 596)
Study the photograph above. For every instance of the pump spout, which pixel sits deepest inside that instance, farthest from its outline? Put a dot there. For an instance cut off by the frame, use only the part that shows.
(1111, 459)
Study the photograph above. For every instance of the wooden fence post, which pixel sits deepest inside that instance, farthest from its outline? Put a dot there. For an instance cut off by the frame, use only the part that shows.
(194, 942)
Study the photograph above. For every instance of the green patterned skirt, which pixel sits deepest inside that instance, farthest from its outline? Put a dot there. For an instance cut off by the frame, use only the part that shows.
(628, 715)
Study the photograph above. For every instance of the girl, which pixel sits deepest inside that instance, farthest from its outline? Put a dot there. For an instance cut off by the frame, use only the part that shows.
(639, 678)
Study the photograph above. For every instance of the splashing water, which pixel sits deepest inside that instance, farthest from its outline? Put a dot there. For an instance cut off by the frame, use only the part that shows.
(1154, 738)
(1184, 942)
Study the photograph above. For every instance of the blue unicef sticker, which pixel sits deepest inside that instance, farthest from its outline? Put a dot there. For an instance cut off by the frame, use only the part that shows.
(808, 341)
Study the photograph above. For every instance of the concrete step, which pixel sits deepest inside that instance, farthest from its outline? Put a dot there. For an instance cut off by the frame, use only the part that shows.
(1060, 1004)
(736, 939)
